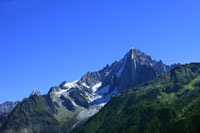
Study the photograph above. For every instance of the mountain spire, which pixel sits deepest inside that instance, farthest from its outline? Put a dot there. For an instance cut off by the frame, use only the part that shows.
(35, 92)
(132, 53)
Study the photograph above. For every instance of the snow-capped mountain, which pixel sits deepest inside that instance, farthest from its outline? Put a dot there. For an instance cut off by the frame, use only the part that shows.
(69, 105)
(92, 91)
(7, 107)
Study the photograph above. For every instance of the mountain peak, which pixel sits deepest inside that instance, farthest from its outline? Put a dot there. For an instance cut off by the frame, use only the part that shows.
(35, 92)
(131, 52)
(138, 56)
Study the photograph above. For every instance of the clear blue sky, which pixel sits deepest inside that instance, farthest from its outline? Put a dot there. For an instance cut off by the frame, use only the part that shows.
(44, 42)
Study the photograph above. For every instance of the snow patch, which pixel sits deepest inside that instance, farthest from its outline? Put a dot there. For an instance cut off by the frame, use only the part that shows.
(93, 97)
(85, 85)
(132, 55)
(97, 93)
(66, 95)
(71, 100)
(96, 87)
(71, 85)
(104, 99)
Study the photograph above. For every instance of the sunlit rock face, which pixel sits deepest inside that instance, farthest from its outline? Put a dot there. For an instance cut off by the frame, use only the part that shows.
(92, 91)
(7, 107)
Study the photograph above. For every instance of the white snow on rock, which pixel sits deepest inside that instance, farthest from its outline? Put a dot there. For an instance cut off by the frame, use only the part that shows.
(103, 98)
(60, 92)
(71, 85)
(93, 97)
(97, 93)
(85, 85)
(96, 87)
(132, 56)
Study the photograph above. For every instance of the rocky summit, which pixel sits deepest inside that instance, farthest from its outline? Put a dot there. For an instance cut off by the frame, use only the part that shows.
(35, 92)
(97, 88)
(92, 91)
(69, 105)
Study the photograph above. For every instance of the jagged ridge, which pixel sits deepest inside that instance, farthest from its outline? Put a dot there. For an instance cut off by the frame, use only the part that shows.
(75, 102)
(168, 104)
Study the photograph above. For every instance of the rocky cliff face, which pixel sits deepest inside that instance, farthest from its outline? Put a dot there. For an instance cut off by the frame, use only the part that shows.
(7, 107)
(92, 91)
(96, 88)
(167, 104)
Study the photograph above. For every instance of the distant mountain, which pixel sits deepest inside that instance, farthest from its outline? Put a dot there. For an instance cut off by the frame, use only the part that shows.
(168, 104)
(71, 104)
(7, 107)
(35, 92)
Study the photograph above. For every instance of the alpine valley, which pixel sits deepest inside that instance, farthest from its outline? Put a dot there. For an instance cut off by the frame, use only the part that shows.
(141, 90)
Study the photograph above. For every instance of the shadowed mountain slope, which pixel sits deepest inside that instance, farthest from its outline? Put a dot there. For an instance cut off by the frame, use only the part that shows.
(169, 103)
